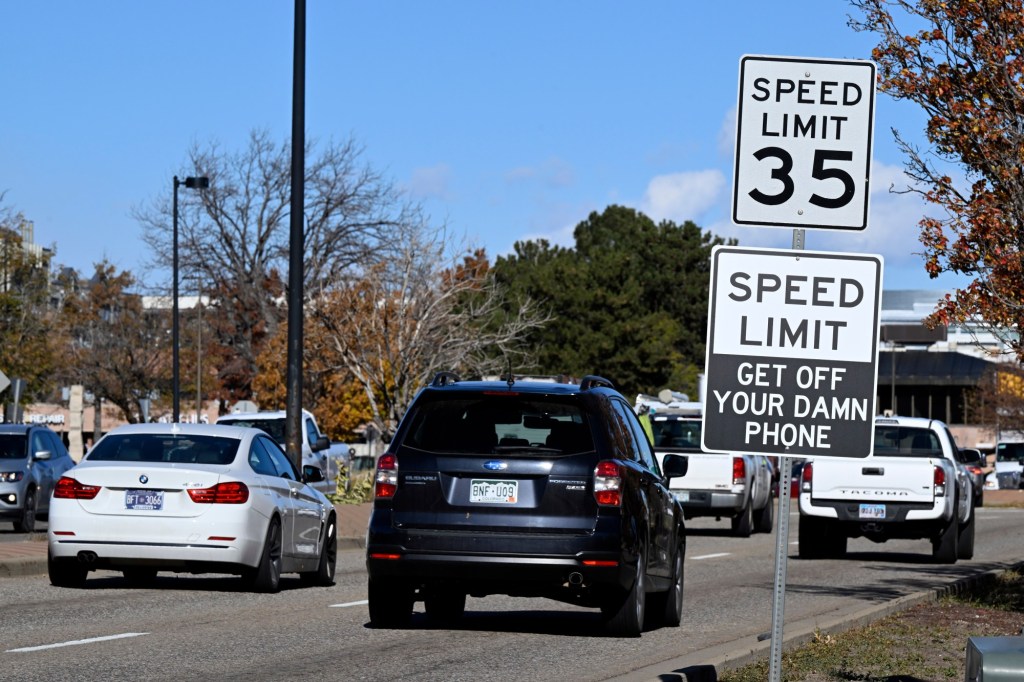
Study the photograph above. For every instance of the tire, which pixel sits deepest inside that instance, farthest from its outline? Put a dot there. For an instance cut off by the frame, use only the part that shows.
(834, 542)
(323, 576)
(444, 605)
(666, 608)
(743, 523)
(765, 517)
(945, 546)
(26, 523)
(979, 501)
(390, 603)
(965, 539)
(626, 612)
(266, 577)
(65, 572)
(810, 541)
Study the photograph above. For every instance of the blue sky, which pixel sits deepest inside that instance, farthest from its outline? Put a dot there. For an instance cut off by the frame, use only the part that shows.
(508, 121)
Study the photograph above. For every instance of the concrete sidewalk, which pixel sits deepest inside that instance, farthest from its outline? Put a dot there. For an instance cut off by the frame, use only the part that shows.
(29, 557)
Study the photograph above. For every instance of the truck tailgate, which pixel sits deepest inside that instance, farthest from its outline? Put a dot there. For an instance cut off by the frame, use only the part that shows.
(705, 472)
(886, 479)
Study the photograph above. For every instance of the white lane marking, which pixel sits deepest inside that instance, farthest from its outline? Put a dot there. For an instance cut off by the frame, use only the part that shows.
(710, 556)
(76, 642)
(346, 604)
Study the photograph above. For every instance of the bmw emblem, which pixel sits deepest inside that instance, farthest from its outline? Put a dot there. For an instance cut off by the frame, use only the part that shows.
(495, 465)
(143, 479)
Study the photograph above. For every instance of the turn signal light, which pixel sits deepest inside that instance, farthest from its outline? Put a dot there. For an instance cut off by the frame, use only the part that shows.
(939, 481)
(68, 488)
(608, 484)
(386, 483)
(739, 471)
(806, 477)
(229, 492)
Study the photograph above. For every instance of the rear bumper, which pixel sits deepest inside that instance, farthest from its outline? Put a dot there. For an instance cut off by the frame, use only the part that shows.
(902, 520)
(710, 502)
(500, 563)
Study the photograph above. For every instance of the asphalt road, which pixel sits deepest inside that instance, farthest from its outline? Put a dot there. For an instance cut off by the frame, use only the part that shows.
(195, 626)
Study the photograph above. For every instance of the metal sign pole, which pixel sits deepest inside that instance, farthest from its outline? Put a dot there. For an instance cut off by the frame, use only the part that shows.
(781, 544)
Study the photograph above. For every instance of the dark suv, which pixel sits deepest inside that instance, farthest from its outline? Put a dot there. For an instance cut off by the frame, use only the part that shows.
(526, 489)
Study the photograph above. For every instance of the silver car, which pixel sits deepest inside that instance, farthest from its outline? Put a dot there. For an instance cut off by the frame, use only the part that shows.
(32, 459)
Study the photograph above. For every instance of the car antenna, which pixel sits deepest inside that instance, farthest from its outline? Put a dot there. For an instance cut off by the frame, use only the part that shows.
(510, 380)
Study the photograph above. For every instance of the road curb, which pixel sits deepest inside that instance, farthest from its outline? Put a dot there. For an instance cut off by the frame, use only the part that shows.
(705, 666)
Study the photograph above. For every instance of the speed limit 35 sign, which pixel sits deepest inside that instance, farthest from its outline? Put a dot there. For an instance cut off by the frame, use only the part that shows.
(803, 142)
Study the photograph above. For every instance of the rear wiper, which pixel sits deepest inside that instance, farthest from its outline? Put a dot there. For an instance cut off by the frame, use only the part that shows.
(525, 448)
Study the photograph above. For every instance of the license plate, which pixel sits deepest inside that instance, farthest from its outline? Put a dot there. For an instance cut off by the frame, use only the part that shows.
(145, 500)
(682, 495)
(494, 492)
(872, 511)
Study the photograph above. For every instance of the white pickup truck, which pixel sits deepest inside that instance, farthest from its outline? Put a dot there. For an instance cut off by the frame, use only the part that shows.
(910, 487)
(737, 486)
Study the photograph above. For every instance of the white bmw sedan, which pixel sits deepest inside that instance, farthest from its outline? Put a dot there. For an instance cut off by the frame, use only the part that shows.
(192, 498)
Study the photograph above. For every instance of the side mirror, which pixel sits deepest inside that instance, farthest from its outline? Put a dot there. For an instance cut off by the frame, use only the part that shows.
(673, 466)
(322, 443)
(312, 474)
(42, 455)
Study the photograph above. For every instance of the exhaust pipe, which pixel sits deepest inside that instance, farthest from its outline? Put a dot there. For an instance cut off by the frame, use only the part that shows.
(576, 579)
(87, 557)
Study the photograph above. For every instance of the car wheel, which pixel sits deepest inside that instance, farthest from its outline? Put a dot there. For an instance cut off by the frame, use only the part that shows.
(139, 575)
(979, 501)
(743, 523)
(267, 576)
(944, 547)
(323, 576)
(965, 541)
(444, 605)
(667, 606)
(65, 572)
(26, 523)
(390, 603)
(626, 613)
(811, 540)
(834, 541)
(765, 517)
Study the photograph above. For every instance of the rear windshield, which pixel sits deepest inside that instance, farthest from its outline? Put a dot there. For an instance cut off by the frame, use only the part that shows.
(1010, 452)
(13, 446)
(905, 441)
(275, 427)
(676, 433)
(150, 447)
(499, 424)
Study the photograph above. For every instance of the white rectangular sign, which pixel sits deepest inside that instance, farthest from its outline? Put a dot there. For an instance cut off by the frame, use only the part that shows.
(803, 142)
(792, 352)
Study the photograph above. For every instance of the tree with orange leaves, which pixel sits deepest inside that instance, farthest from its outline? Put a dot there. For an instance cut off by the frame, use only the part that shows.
(963, 63)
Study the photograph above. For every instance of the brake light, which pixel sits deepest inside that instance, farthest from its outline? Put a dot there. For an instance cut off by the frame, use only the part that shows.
(386, 483)
(806, 477)
(976, 470)
(608, 484)
(739, 471)
(229, 492)
(939, 481)
(69, 489)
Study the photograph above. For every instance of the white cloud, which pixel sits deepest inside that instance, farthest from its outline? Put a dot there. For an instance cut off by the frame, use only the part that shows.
(432, 182)
(682, 196)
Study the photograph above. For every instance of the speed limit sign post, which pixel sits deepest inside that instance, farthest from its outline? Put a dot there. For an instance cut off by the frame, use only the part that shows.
(803, 142)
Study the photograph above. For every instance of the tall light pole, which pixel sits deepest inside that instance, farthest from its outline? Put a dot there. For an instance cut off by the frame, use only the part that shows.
(201, 182)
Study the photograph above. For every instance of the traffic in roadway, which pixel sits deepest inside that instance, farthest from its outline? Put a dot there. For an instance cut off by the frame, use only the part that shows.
(210, 625)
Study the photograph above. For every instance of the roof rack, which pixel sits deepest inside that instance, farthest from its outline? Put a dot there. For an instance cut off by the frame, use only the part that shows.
(592, 381)
(444, 378)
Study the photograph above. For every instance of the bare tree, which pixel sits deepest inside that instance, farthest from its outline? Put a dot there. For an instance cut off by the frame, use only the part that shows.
(235, 235)
(415, 312)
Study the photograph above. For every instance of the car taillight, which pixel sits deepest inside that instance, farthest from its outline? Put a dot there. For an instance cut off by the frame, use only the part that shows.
(976, 470)
(739, 470)
(229, 492)
(939, 481)
(386, 484)
(608, 484)
(68, 488)
(806, 477)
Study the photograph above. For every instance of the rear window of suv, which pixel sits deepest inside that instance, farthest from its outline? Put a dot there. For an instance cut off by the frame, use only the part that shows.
(499, 424)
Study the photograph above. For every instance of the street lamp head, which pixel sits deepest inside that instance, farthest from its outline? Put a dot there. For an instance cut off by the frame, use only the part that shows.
(202, 182)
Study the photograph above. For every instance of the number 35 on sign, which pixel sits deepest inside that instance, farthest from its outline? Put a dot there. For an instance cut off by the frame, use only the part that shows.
(803, 142)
